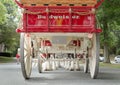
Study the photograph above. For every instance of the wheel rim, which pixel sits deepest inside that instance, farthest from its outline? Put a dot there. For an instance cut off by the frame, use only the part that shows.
(26, 56)
(94, 57)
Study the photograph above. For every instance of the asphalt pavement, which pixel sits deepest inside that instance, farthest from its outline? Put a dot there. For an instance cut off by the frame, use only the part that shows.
(10, 74)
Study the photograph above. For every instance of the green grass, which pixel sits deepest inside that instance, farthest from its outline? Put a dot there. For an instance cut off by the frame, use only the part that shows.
(110, 65)
(6, 59)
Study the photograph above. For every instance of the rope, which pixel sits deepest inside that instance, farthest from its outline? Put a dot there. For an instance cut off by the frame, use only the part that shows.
(35, 13)
(80, 13)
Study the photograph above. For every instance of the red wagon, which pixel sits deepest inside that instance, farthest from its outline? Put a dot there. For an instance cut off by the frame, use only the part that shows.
(58, 33)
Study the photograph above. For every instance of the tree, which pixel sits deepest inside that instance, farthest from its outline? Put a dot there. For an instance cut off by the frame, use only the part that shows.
(109, 15)
(116, 31)
(8, 35)
(2, 13)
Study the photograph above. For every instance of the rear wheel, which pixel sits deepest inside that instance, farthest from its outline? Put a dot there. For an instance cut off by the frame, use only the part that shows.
(26, 55)
(94, 56)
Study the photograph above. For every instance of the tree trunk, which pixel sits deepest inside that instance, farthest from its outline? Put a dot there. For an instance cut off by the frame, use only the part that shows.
(106, 54)
(2, 47)
(106, 37)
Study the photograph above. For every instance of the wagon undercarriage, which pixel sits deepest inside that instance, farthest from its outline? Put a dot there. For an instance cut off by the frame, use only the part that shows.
(60, 50)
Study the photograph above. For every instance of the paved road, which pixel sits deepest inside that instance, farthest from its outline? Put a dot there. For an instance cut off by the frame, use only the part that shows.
(10, 74)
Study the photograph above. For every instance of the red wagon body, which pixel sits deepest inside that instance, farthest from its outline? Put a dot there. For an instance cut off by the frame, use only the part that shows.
(59, 19)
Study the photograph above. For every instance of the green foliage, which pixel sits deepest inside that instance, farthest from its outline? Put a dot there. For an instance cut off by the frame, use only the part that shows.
(2, 13)
(109, 17)
(111, 10)
(118, 52)
(8, 36)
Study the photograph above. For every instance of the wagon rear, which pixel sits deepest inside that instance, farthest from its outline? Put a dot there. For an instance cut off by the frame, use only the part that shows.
(59, 34)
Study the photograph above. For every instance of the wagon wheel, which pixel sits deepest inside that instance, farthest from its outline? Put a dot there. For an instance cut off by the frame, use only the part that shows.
(26, 55)
(94, 56)
(39, 64)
